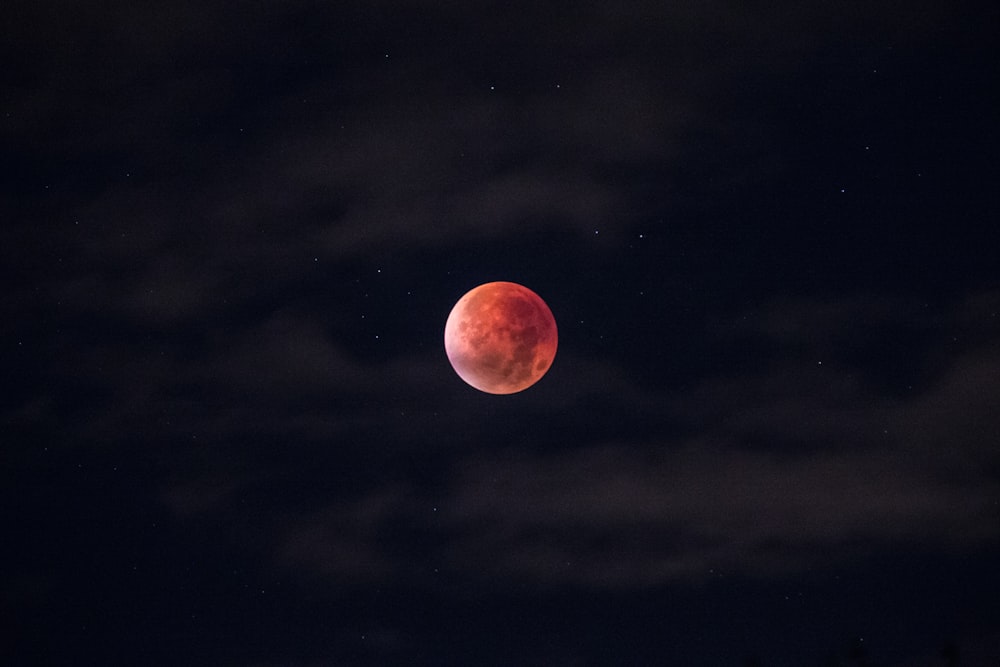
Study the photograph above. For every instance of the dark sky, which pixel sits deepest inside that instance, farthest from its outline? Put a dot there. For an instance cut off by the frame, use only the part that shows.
(231, 233)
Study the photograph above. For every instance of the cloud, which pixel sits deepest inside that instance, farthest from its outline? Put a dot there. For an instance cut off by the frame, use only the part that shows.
(791, 467)
(628, 516)
(345, 542)
(624, 516)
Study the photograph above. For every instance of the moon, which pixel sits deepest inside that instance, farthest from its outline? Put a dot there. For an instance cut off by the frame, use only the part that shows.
(500, 338)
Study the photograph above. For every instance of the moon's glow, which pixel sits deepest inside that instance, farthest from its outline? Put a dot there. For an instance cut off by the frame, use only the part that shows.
(500, 338)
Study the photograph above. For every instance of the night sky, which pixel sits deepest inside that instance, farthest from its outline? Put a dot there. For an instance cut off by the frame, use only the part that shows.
(231, 234)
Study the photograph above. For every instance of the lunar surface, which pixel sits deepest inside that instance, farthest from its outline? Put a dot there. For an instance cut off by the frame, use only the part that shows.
(501, 338)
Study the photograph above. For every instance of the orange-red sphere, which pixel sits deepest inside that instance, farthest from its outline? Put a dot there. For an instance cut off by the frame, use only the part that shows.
(500, 338)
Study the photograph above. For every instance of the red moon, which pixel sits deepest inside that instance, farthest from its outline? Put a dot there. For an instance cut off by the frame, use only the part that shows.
(500, 338)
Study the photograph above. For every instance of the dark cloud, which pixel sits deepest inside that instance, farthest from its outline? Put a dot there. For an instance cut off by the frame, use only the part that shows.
(231, 239)
(796, 467)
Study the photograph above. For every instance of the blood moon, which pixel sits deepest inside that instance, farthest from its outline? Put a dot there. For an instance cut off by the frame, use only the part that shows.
(500, 338)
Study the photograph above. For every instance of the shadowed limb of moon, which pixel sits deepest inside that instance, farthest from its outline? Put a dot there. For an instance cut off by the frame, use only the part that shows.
(500, 338)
